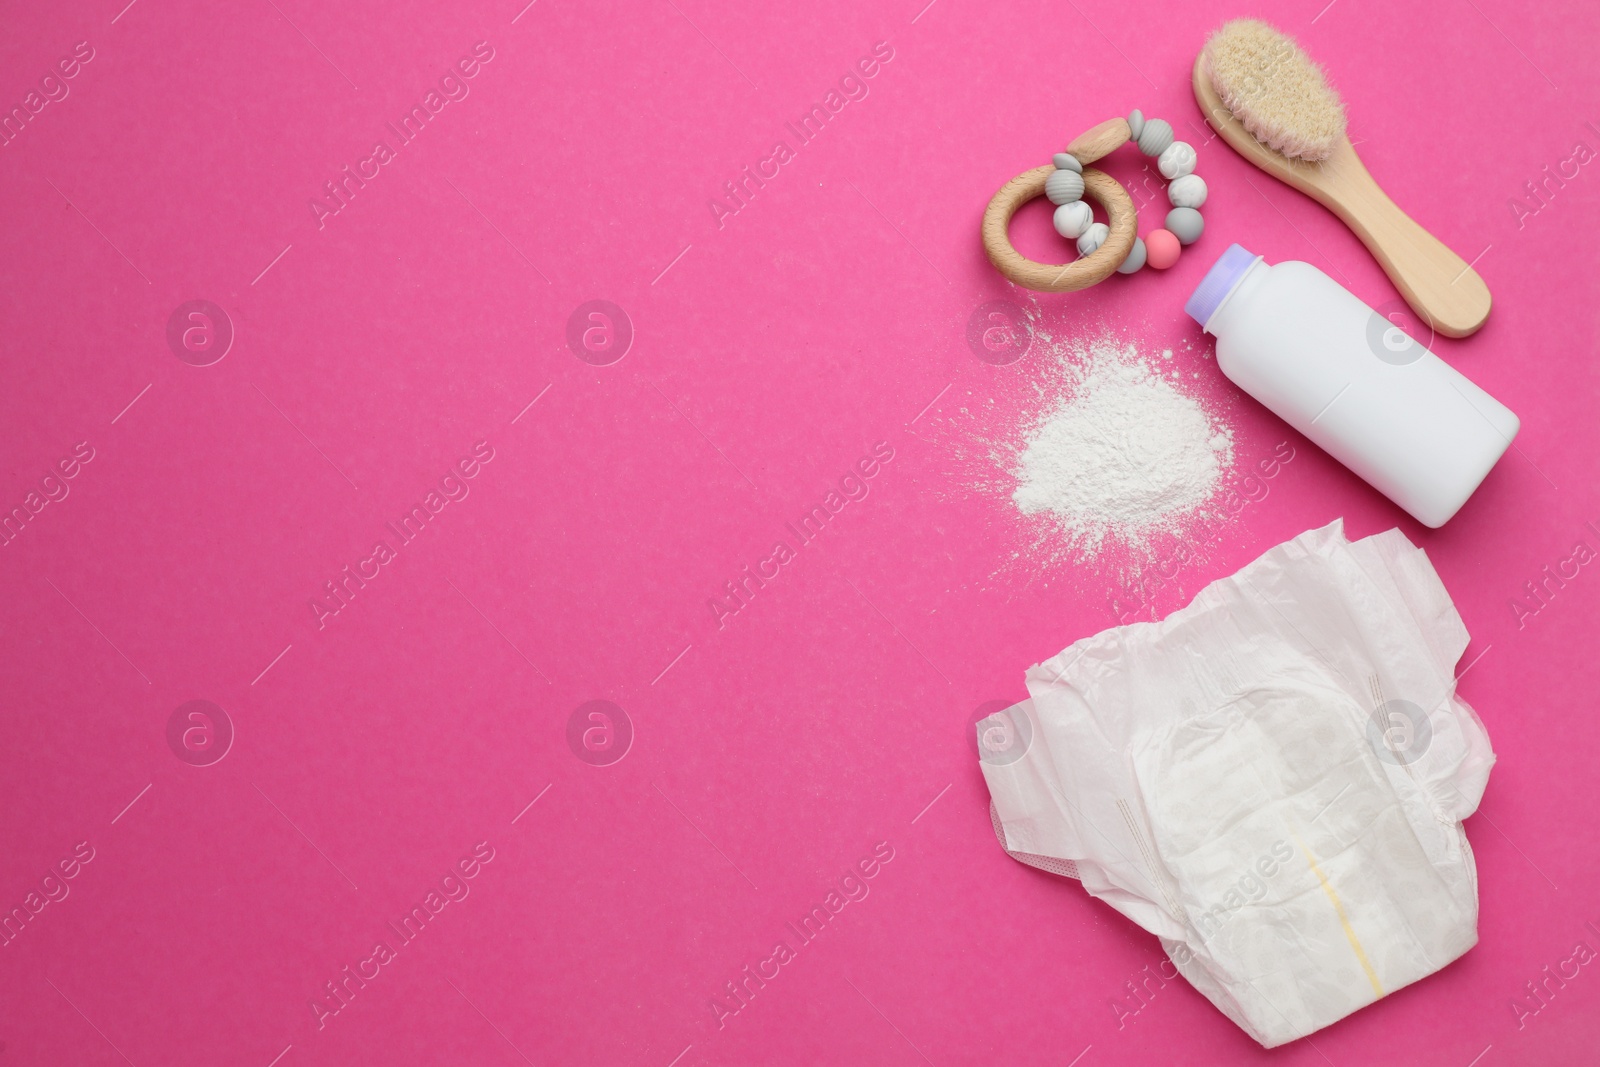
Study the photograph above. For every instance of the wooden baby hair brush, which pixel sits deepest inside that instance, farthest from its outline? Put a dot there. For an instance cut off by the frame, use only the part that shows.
(1274, 106)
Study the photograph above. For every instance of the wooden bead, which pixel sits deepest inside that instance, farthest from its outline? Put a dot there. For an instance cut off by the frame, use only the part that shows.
(1187, 191)
(1176, 160)
(1073, 219)
(1064, 186)
(1101, 141)
(1155, 137)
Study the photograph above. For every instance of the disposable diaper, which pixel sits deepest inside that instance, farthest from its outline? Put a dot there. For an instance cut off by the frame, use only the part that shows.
(1270, 780)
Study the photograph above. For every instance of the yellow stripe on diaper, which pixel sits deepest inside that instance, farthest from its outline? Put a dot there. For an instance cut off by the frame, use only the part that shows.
(1344, 920)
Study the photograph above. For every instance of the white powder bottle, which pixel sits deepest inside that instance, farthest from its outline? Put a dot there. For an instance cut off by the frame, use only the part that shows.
(1360, 388)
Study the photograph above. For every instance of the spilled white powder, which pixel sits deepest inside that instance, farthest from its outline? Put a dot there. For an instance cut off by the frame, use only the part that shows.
(1118, 453)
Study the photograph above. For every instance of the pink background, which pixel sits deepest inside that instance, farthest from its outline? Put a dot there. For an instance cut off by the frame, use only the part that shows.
(774, 752)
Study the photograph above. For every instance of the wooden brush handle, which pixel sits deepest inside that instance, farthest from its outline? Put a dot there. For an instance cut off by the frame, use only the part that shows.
(1438, 284)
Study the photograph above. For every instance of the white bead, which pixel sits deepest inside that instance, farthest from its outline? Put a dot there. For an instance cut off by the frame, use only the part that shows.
(1187, 191)
(1093, 238)
(1073, 219)
(1063, 187)
(1176, 160)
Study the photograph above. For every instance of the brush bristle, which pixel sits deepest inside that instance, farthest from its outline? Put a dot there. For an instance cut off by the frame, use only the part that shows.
(1274, 90)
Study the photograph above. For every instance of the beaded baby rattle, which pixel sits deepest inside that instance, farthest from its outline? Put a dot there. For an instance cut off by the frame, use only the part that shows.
(1102, 249)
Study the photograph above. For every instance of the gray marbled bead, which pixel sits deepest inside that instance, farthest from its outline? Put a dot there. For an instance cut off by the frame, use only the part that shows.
(1064, 161)
(1072, 220)
(1135, 258)
(1155, 137)
(1093, 238)
(1063, 187)
(1186, 224)
(1135, 123)
(1187, 191)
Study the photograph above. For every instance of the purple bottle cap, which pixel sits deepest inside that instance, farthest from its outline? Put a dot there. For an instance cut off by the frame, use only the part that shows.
(1218, 283)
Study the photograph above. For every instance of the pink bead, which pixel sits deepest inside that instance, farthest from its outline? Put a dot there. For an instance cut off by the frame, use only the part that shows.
(1161, 249)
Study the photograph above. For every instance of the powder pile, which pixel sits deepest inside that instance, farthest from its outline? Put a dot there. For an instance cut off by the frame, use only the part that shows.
(1119, 454)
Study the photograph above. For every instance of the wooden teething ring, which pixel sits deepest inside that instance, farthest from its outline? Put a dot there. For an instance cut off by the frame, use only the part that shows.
(1079, 274)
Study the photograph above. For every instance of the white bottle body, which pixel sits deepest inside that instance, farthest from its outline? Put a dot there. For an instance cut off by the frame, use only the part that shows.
(1407, 422)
